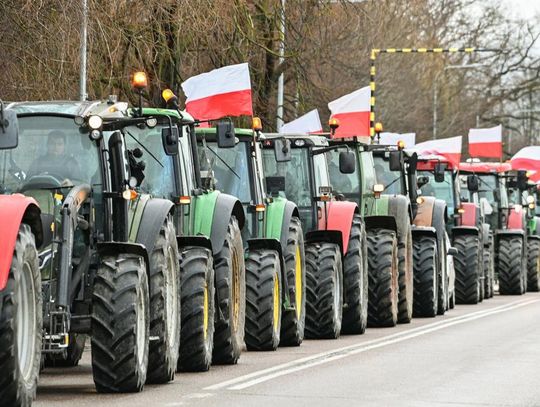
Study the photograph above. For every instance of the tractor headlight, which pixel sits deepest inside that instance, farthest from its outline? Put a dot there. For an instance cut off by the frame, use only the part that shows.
(95, 122)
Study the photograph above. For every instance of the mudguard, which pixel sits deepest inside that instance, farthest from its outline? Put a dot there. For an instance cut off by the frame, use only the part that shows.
(423, 231)
(339, 218)
(486, 230)
(465, 230)
(424, 213)
(399, 208)
(155, 212)
(225, 206)
(384, 222)
(328, 236)
(470, 215)
(515, 218)
(278, 218)
(115, 248)
(14, 210)
(199, 240)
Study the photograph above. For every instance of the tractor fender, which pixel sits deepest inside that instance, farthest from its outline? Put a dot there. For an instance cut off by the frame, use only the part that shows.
(115, 248)
(339, 216)
(515, 218)
(469, 216)
(399, 208)
(418, 231)
(278, 219)
(509, 232)
(327, 236)
(14, 210)
(198, 240)
(424, 213)
(225, 207)
(533, 237)
(380, 222)
(465, 230)
(289, 211)
(155, 212)
(440, 219)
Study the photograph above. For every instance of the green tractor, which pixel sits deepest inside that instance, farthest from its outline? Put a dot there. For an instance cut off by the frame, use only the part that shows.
(389, 236)
(109, 260)
(209, 226)
(273, 236)
(396, 170)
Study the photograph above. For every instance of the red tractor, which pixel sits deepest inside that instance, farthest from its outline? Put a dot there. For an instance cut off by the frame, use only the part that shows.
(20, 281)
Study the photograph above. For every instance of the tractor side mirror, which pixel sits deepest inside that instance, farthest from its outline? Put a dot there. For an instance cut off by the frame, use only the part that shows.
(347, 162)
(9, 129)
(282, 150)
(439, 172)
(421, 181)
(169, 138)
(452, 251)
(472, 183)
(274, 185)
(225, 134)
(522, 180)
(395, 160)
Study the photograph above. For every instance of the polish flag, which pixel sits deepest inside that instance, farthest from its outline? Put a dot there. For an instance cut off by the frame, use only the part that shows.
(392, 139)
(486, 142)
(528, 158)
(449, 148)
(352, 111)
(308, 123)
(222, 92)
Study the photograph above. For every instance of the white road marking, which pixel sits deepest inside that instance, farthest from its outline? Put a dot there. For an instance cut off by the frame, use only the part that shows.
(264, 375)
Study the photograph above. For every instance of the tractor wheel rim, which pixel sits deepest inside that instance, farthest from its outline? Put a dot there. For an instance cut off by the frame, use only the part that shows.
(235, 289)
(298, 283)
(171, 296)
(276, 295)
(205, 310)
(26, 320)
(141, 326)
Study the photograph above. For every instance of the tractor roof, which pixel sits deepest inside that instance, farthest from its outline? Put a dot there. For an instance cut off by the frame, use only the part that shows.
(71, 108)
(310, 139)
(485, 167)
(183, 115)
(427, 162)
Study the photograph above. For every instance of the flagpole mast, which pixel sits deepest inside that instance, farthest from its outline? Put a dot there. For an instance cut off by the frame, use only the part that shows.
(84, 29)
(279, 119)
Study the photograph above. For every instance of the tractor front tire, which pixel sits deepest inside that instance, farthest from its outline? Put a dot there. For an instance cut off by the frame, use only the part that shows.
(120, 324)
(406, 278)
(467, 265)
(510, 264)
(198, 306)
(21, 324)
(489, 268)
(72, 354)
(383, 278)
(293, 322)
(426, 265)
(324, 284)
(164, 306)
(533, 265)
(263, 300)
(231, 291)
(355, 281)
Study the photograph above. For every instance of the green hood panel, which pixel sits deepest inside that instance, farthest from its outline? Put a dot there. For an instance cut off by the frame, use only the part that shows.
(381, 205)
(204, 213)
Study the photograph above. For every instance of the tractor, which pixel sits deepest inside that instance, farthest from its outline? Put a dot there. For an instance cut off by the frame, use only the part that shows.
(20, 280)
(433, 280)
(109, 260)
(388, 226)
(209, 226)
(273, 236)
(335, 236)
(466, 226)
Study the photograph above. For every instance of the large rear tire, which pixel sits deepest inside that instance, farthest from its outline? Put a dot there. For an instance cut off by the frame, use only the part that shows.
(294, 321)
(383, 278)
(231, 291)
(426, 265)
(443, 294)
(533, 265)
(355, 281)
(324, 284)
(467, 265)
(489, 268)
(21, 324)
(510, 264)
(120, 324)
(164, 306)
(198, 306)
(263, 300)
(406, 278)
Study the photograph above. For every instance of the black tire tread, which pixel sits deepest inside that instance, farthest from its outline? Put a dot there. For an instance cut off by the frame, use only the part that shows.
(425, 277)
(466, 264)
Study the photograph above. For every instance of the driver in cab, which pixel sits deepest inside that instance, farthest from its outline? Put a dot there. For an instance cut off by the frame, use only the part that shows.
(56, 162)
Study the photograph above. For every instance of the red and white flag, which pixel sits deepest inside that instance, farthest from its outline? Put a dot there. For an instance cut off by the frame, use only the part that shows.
(486, 142)
(222, 92)
(392, 139)
(449, 148)
(528, 158)
(352, 111)
(308, 123)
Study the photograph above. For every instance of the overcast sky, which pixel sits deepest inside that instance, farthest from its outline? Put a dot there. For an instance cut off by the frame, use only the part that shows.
(524, 8)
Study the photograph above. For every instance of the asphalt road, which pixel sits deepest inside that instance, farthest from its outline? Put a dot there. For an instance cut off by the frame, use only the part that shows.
(482, 355)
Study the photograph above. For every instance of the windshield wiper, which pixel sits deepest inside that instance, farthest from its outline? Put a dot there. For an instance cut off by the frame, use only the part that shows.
(223, 161)
(145, 149)
(392, 183)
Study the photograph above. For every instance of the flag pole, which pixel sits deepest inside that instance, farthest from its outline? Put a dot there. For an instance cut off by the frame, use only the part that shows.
(279, 118)
(84, 31)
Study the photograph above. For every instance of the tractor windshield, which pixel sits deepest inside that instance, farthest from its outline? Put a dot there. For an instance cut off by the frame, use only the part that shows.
(390, 179)
(443, 190)
(52, 153)
(346, 184)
